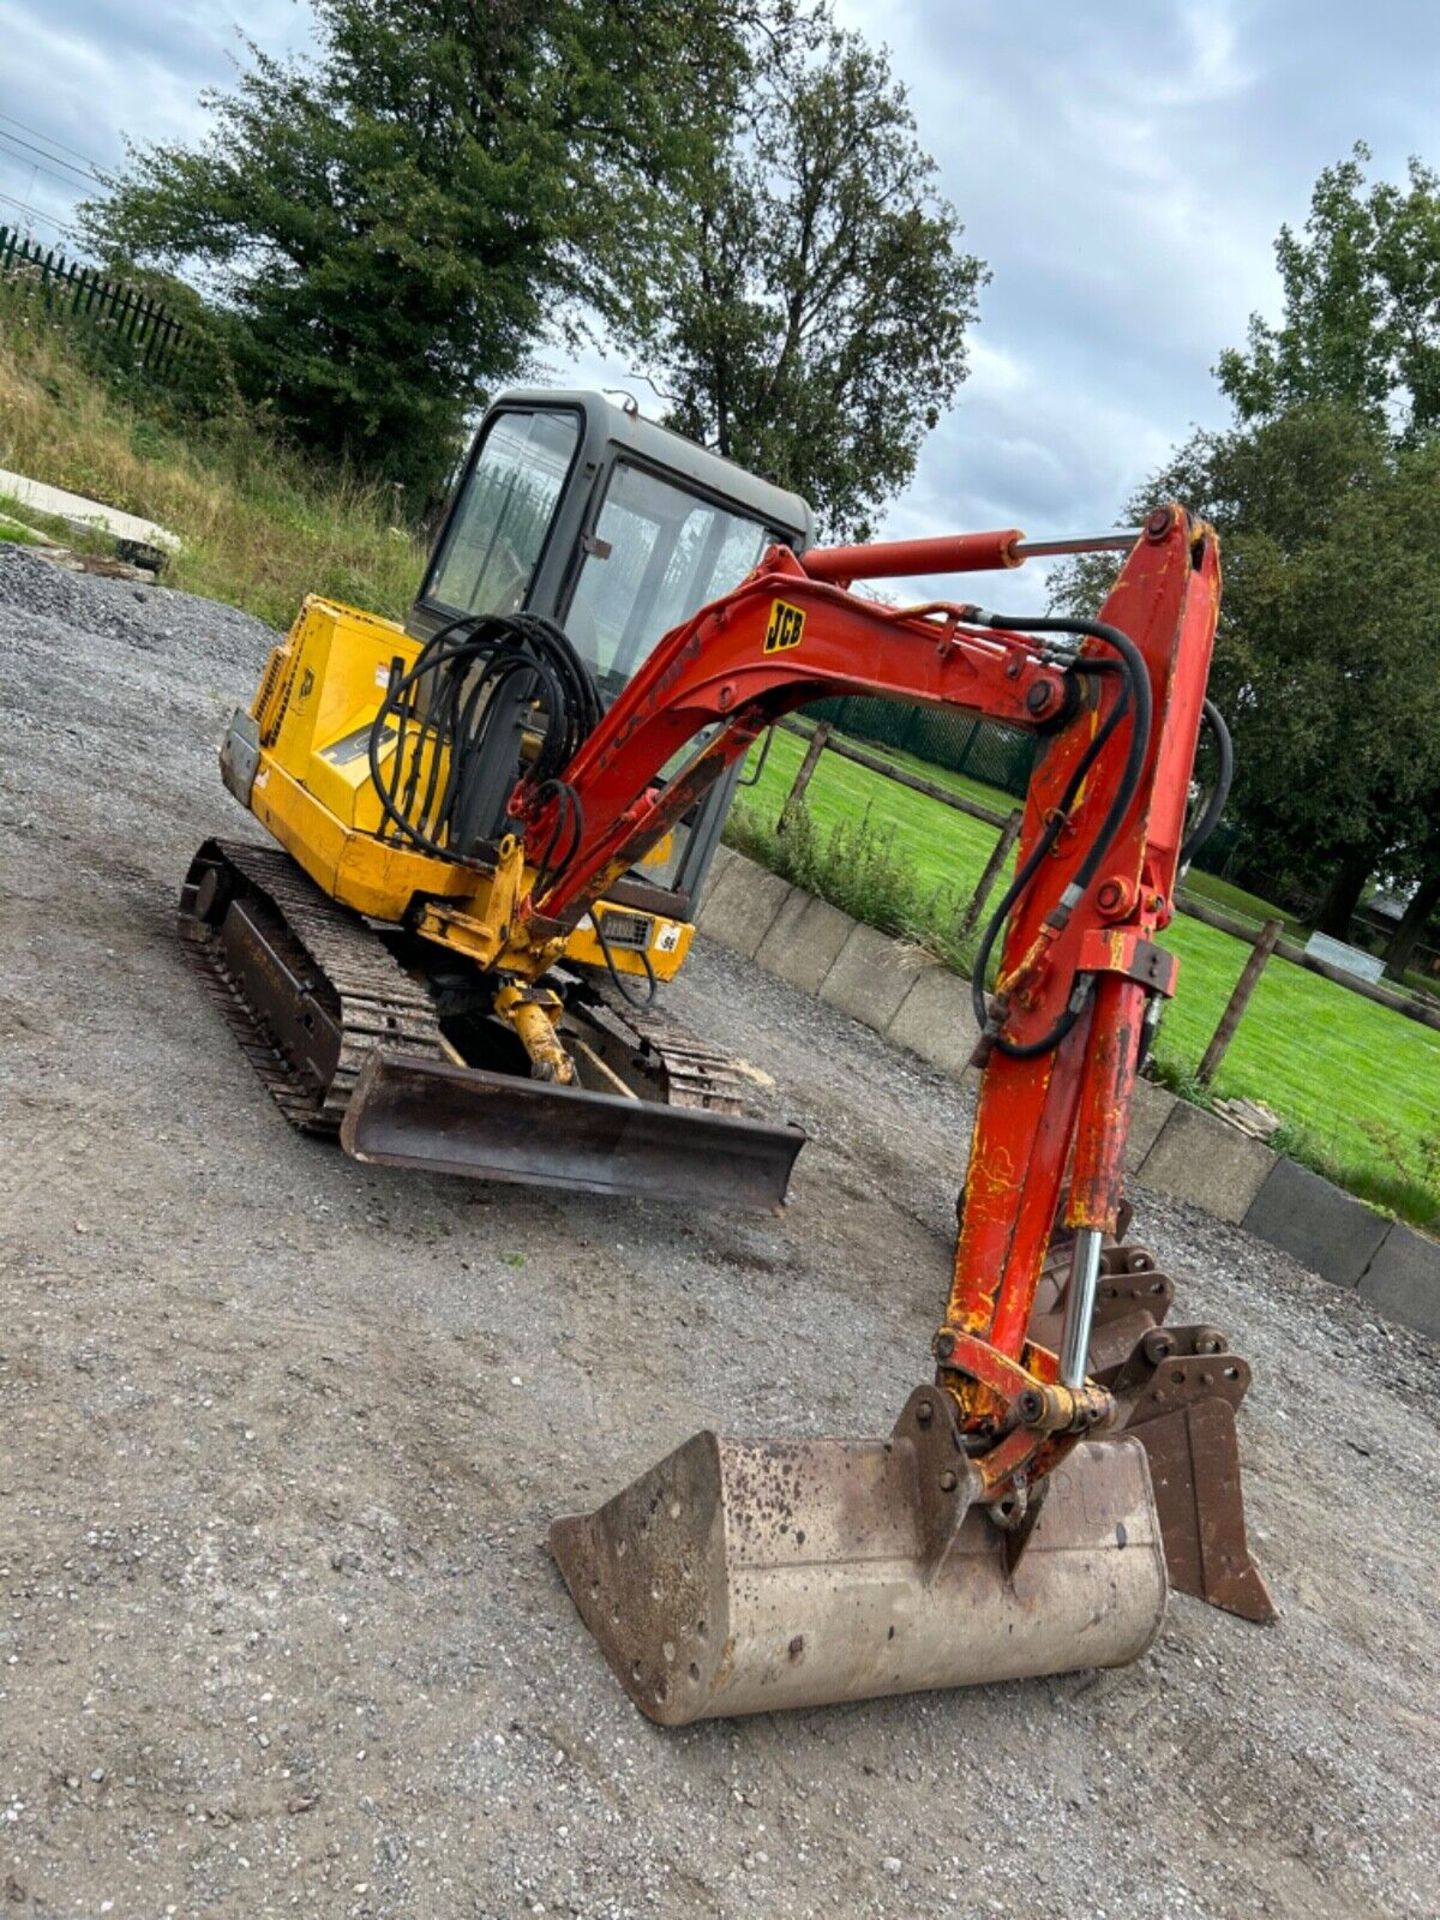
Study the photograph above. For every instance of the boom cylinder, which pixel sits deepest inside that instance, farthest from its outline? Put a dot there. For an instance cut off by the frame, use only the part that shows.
(953, 553)
(894, 559)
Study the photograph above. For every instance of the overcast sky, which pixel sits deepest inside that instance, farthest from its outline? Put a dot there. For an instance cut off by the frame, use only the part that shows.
(1122, 167)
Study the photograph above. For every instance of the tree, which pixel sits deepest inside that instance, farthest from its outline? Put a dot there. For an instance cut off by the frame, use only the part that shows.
(810, 321)
(1421, 866)
(389, 229)
(1361, 291)
(1325, 653)
(1361, 333)
(1324, 491)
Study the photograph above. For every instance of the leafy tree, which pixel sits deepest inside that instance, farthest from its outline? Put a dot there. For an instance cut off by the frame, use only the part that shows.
(1361, 330)
(1324, 494)
(1419, 864)
(1325, 654)
(810, 321)
(390, 228)
(1361, 290)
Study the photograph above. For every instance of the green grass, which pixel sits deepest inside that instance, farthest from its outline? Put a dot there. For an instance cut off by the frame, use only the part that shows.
(1245, 906)
(940, 849)
(260, 526)
(1357, 1085)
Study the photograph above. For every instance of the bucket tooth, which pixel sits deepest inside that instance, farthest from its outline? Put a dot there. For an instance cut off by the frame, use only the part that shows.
(748, 1576)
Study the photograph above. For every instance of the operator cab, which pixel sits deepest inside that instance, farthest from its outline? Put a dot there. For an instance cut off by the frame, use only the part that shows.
(619, 530)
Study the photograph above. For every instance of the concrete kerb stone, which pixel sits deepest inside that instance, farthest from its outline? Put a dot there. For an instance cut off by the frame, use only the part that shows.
(1150, 1108)
(94, 513)
(1334, 1234)
(936, 1021)
(1200, 1159)
(1404, 1279)
(804, 941)
(741, 907)
(869, 978)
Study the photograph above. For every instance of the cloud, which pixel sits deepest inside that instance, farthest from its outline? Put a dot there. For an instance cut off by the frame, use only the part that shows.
(86, 77)
(1123, 166)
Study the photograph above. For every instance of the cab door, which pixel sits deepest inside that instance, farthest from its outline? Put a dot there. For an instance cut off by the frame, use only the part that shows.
(659, 551)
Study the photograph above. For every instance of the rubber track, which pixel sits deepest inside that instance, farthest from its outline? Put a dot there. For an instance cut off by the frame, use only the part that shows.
(382, 1005)
(378, 1002)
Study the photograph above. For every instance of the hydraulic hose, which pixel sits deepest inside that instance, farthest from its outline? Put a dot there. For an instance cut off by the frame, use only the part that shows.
(464, 667)
(1219, 793)
(1134, 698)
(622, 985)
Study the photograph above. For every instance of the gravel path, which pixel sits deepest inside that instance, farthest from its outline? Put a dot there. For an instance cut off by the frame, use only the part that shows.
(280, 1438)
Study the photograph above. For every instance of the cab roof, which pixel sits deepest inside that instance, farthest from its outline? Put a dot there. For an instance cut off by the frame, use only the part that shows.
(660, 446)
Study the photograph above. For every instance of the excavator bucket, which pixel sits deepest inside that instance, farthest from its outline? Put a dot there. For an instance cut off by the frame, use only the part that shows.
(443, 1118)
(747, 1576)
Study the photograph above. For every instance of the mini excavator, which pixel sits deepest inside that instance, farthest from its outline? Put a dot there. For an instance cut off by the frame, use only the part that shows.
(491, 826)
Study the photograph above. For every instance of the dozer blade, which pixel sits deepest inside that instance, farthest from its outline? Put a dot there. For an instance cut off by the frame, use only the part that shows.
(747, 1576)
(407, 1112)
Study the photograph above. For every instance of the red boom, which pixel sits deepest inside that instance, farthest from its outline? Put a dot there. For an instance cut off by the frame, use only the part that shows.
(785, 637)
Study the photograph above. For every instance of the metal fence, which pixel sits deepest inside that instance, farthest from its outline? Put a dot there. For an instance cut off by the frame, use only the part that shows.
(154, 337)
(1000, 756)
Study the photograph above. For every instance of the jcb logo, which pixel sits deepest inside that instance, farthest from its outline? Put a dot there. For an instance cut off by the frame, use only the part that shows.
(787, 627)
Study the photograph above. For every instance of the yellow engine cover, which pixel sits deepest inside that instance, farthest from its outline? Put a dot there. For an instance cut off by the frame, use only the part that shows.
(315, 709)
(318, 701)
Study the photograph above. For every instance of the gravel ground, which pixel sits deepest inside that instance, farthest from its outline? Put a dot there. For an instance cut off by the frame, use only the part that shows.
(280, 1438)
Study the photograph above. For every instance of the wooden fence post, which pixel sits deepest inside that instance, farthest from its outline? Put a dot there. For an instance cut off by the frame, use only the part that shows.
(806, 773)
(999, 854)
(1229, 1020)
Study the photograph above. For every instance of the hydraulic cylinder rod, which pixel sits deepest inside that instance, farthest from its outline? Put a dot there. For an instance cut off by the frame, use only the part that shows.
(1080, 1305)
(952, 553)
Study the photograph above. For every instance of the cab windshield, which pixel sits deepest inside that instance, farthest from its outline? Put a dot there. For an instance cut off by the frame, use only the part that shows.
(658, 555)
(498, 530)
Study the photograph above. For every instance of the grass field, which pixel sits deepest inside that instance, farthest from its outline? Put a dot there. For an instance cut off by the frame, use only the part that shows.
(1358, 1085)
(261, 527)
